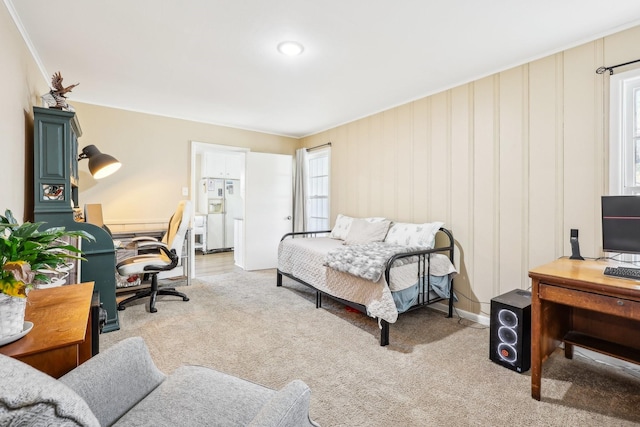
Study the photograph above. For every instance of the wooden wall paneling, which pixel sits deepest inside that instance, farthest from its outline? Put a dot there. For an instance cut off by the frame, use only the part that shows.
(356, 167)
(621, 47)
(421, 168)
(460, 221)
(485, 251)
(544, 122)
(404, 172)
(378, 165)
(512, 196)
(363, 159)
(559, 223)
(339, 173)
(440, 160)
(601, 147)
(389, 171)
(580, 163)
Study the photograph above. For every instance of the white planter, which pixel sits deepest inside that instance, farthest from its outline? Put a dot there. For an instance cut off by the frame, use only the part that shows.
(11, 315)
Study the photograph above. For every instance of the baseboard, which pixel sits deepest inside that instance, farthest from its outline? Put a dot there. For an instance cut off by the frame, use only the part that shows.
(477, 318)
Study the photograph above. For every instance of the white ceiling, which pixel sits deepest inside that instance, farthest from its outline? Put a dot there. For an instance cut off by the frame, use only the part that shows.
(215, 61)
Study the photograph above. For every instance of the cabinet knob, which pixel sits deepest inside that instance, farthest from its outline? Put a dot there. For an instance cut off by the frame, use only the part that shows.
(620, 302)
(288, 218)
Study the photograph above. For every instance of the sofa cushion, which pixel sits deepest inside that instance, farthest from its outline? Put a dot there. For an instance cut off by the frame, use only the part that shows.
(287, 408)
(29, 397)
(198, 396)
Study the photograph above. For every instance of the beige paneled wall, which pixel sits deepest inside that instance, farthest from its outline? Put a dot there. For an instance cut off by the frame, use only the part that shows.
(510, 162)
(155, 153)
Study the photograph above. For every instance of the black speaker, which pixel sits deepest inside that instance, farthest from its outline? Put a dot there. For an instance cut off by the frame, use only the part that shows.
(510, 330)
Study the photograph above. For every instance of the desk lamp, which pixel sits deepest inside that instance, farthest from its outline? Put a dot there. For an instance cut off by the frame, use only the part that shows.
(100, 164)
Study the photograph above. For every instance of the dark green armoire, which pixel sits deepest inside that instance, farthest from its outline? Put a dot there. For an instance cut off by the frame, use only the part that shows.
(55, 194)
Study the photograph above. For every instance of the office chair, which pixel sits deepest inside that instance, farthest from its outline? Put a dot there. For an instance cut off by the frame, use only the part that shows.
(168, 257)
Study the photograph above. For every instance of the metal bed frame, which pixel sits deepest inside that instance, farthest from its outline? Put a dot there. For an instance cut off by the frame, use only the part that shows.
(424, 267)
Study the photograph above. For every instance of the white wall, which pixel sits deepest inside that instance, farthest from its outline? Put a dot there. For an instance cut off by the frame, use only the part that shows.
(22, 85)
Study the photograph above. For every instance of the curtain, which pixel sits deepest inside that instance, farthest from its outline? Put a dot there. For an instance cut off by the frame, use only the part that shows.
(300, 191)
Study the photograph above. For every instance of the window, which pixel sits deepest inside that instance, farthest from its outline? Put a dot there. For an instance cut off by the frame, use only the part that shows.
(318, 169)
(624, 156)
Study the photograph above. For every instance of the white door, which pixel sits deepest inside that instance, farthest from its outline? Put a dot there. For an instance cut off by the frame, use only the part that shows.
(268, 208)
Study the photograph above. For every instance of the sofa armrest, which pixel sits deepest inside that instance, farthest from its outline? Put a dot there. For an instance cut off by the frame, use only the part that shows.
(116, 379)
(289, 407)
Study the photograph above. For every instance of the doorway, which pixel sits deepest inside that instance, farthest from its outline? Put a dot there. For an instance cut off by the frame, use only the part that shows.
(217, 188)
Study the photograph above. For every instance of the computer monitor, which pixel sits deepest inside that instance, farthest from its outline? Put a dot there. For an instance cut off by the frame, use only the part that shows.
(621, 224)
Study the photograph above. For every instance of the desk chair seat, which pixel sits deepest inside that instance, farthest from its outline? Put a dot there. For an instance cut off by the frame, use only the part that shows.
(168, 256)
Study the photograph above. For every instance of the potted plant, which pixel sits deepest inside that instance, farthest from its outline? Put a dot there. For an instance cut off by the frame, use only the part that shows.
(25, 253)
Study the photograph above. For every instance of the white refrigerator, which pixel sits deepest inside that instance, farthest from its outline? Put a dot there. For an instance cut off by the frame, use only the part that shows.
(222, 202)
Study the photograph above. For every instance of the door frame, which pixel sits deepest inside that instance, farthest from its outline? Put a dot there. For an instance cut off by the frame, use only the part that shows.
(198, 147)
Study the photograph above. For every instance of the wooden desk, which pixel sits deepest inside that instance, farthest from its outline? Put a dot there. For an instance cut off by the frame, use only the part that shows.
(61, 338)
(573, 302)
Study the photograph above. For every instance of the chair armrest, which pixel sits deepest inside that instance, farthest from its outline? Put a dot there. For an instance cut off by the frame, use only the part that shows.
(289, 407)
(151, 245)
(116, 379)
(144, 238)
(145, 244)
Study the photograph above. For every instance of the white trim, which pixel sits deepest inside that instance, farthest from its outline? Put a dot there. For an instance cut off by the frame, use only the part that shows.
(619, 128)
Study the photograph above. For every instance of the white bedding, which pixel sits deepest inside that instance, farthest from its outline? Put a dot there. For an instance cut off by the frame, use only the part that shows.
(304, 258)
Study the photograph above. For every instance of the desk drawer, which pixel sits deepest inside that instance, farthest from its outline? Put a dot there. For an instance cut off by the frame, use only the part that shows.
(590, 301)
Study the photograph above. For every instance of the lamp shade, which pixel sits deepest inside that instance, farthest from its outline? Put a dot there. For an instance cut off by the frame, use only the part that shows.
(100, 164)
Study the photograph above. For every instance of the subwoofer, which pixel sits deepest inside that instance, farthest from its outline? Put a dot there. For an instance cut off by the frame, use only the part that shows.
(510, 330)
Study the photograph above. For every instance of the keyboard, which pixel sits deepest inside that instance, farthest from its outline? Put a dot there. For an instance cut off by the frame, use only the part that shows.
(623, 272)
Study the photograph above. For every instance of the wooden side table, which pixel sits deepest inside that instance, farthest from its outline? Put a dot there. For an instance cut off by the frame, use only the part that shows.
(61, 338)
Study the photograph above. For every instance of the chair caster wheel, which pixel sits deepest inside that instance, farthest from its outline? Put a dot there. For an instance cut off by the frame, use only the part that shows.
(185, 298)
(121, 307)
(153, 309)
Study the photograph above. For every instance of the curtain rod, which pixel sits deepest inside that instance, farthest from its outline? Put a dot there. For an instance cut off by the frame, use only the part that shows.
(601, 70)
(328, 144)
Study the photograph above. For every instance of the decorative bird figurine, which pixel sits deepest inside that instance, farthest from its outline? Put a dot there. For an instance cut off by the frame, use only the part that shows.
(58, 92)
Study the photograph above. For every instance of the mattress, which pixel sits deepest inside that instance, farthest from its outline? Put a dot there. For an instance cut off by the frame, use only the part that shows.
(304, 258)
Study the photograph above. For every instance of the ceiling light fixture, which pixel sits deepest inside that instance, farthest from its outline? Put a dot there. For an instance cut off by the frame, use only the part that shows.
(290, 48)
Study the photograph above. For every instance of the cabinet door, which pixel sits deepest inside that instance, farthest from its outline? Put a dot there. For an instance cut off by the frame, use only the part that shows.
(233, 166)
(213, 165)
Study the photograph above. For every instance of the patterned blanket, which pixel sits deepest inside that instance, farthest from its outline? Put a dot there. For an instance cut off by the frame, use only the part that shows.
(368, 260)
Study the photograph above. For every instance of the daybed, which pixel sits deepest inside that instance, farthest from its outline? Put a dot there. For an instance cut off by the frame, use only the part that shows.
(122, 386)
(371, 264)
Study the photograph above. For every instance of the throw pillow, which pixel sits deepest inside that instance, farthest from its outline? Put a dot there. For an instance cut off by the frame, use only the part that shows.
(408, 234)
(363, 231)
(341, 228)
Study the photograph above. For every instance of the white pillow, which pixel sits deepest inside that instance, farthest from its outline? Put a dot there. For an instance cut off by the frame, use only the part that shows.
(408, 234)
(363, 231)
(343, 223)
(341, 227)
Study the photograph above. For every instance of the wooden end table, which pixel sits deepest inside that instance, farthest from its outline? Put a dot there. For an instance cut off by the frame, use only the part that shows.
(61, 338)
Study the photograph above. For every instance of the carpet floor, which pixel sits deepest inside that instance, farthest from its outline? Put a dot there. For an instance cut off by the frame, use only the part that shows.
(436, 371)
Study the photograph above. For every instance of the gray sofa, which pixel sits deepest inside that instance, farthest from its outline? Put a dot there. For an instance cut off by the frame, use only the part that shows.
(122, 386)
